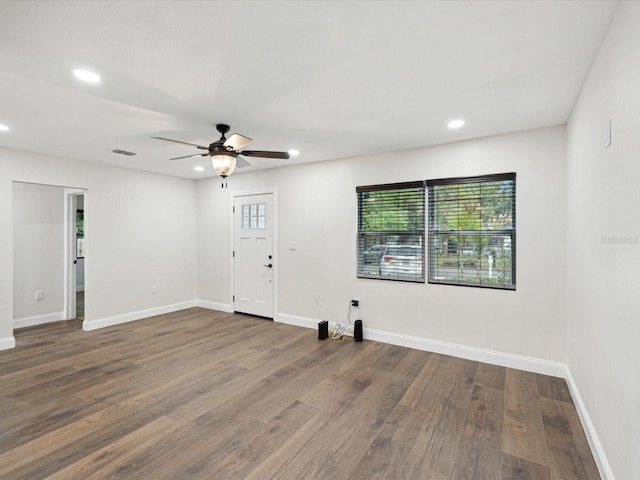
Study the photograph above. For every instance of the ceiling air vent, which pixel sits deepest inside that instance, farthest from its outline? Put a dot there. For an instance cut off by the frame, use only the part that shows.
(123, 152)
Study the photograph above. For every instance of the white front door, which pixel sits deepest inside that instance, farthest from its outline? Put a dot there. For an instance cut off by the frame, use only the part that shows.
(253, 261)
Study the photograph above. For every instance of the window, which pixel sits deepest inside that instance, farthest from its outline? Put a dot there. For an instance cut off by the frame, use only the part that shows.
(253, 216)
(472, 231)
(391, 232)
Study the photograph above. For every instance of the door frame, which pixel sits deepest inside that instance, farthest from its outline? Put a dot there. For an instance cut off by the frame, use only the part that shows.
(70, 197)
(276, 251)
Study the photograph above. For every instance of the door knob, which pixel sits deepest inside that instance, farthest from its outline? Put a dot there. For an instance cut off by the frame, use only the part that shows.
(269, 266)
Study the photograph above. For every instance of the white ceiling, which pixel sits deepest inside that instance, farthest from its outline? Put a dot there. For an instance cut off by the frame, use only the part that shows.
(331, 79)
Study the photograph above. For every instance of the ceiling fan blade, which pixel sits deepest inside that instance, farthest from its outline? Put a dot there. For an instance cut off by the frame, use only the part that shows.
(178, 141)
(237, 141)
(191, 156)
(241, 163)
(265, 154)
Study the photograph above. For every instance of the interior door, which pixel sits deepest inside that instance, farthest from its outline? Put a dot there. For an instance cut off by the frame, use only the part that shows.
(253, 261)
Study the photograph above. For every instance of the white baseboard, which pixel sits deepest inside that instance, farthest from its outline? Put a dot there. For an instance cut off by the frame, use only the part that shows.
(297, 320)
(223, 307)
(592, 437)
(530, 364)
(7, 342)
(89, 325)
(521, 362)
(38, 320)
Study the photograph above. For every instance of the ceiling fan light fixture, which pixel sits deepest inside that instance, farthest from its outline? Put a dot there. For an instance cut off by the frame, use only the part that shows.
(225, 152)
(223, 163)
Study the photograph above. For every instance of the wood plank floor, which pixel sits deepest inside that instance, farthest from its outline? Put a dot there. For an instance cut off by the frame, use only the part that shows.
(199, 394)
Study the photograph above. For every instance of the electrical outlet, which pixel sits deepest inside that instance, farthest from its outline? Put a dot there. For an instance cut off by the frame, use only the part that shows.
(39, 295)
(355, 302)
(316, 296)
(154, 290)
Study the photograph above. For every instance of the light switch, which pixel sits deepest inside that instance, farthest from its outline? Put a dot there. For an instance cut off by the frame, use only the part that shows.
(292, 246)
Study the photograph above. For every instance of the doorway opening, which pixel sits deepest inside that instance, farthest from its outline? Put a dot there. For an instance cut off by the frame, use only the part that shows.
(75, 253)
(46, 240)
(80, 253)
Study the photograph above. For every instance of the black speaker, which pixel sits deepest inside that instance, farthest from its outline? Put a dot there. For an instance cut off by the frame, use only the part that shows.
(357, 330)
(323, 330)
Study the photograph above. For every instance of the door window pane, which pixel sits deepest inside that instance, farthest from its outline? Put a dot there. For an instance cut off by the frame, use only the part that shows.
(254, 216)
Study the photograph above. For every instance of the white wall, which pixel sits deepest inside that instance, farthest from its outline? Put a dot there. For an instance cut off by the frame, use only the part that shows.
(317, 210)
(38, 252)
(141, 232)
(603, 241)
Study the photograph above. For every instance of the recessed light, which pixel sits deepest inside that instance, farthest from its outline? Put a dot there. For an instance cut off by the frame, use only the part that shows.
(293, 153)
(453, 124)
(4, 128)
(199, 169)
(87, 76)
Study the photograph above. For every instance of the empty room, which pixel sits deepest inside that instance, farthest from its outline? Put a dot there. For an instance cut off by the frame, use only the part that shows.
(319, 240)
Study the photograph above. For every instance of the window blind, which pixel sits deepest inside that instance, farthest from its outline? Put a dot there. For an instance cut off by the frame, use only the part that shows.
(472, 231)
(391, 231)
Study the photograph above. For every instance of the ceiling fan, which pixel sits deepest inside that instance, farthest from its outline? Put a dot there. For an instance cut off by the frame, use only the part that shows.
(225, 152)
